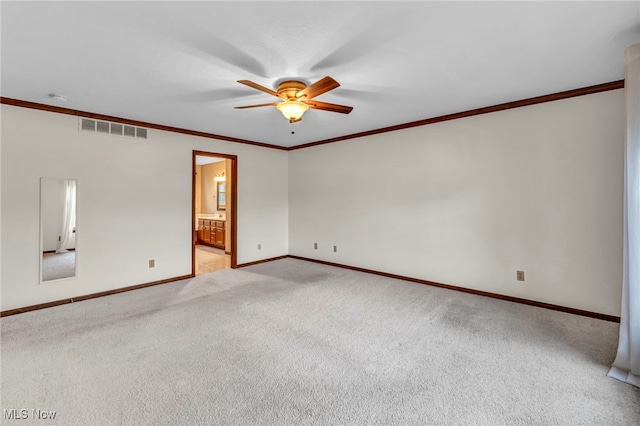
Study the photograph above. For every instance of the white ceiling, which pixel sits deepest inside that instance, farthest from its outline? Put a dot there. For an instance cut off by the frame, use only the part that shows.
(177, 63)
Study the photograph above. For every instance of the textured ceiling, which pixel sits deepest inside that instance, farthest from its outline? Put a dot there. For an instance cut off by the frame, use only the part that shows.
(177, 63)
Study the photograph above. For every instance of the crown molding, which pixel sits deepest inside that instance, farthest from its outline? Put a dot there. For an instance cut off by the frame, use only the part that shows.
(589, 90)
(86, 114)
(619, 84)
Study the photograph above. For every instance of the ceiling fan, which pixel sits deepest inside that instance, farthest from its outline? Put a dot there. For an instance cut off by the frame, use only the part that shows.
(297, 97)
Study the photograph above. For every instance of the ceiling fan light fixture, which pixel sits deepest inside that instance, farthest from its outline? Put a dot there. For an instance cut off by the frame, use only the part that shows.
(292, 110)
(297, 97)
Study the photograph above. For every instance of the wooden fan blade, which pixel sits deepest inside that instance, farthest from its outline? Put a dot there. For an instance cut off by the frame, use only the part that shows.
(259, 87)
(318, 88)
(257, 106)
(325, 106)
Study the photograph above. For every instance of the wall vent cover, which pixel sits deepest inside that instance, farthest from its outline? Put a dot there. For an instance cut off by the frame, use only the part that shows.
(106, 127)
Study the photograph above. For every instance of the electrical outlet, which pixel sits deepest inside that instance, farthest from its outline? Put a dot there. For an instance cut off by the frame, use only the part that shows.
(315, 246)
(335, 249)
(152, 263)
(520, 275)
(259, 246)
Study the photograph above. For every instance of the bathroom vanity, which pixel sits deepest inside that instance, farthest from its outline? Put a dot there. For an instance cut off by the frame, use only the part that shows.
(211, 232)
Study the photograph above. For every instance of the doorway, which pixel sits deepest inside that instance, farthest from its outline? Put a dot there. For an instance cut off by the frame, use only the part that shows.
(214, 212)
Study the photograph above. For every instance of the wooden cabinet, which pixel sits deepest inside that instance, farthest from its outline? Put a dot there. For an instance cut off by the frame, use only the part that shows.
(219, 237)
(207, 231)
(211, 232)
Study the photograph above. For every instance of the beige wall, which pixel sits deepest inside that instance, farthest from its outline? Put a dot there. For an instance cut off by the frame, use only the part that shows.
(134, 203)
(198, 190)
(465, 202)
(208, 186)
(468, 202)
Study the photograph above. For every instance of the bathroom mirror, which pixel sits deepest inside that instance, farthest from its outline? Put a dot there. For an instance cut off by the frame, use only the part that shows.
(221, 196)
(58, 234)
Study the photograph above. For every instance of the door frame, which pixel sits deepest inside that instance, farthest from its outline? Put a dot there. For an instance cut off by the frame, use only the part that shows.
(232, 196)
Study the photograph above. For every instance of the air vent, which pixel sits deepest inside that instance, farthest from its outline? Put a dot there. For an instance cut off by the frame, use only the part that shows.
(117, 129)
(130, 131)
(102, 127)
(141, 132)
(88, 125)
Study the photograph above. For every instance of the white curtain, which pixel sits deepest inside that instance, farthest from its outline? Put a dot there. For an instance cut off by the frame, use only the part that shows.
(626, 367)
(68, 216)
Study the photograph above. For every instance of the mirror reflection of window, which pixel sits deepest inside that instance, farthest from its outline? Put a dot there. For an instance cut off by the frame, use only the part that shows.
(58, 228)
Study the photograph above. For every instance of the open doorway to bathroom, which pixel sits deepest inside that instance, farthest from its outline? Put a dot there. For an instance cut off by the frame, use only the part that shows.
(214, 212)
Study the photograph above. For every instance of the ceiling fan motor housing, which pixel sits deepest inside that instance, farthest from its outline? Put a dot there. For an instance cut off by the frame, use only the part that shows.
(290, 89)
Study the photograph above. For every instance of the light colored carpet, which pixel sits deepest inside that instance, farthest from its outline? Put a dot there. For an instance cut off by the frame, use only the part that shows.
(293, 342)
(58, 265)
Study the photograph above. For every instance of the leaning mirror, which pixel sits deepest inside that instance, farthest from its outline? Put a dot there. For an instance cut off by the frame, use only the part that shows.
(58, 236)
